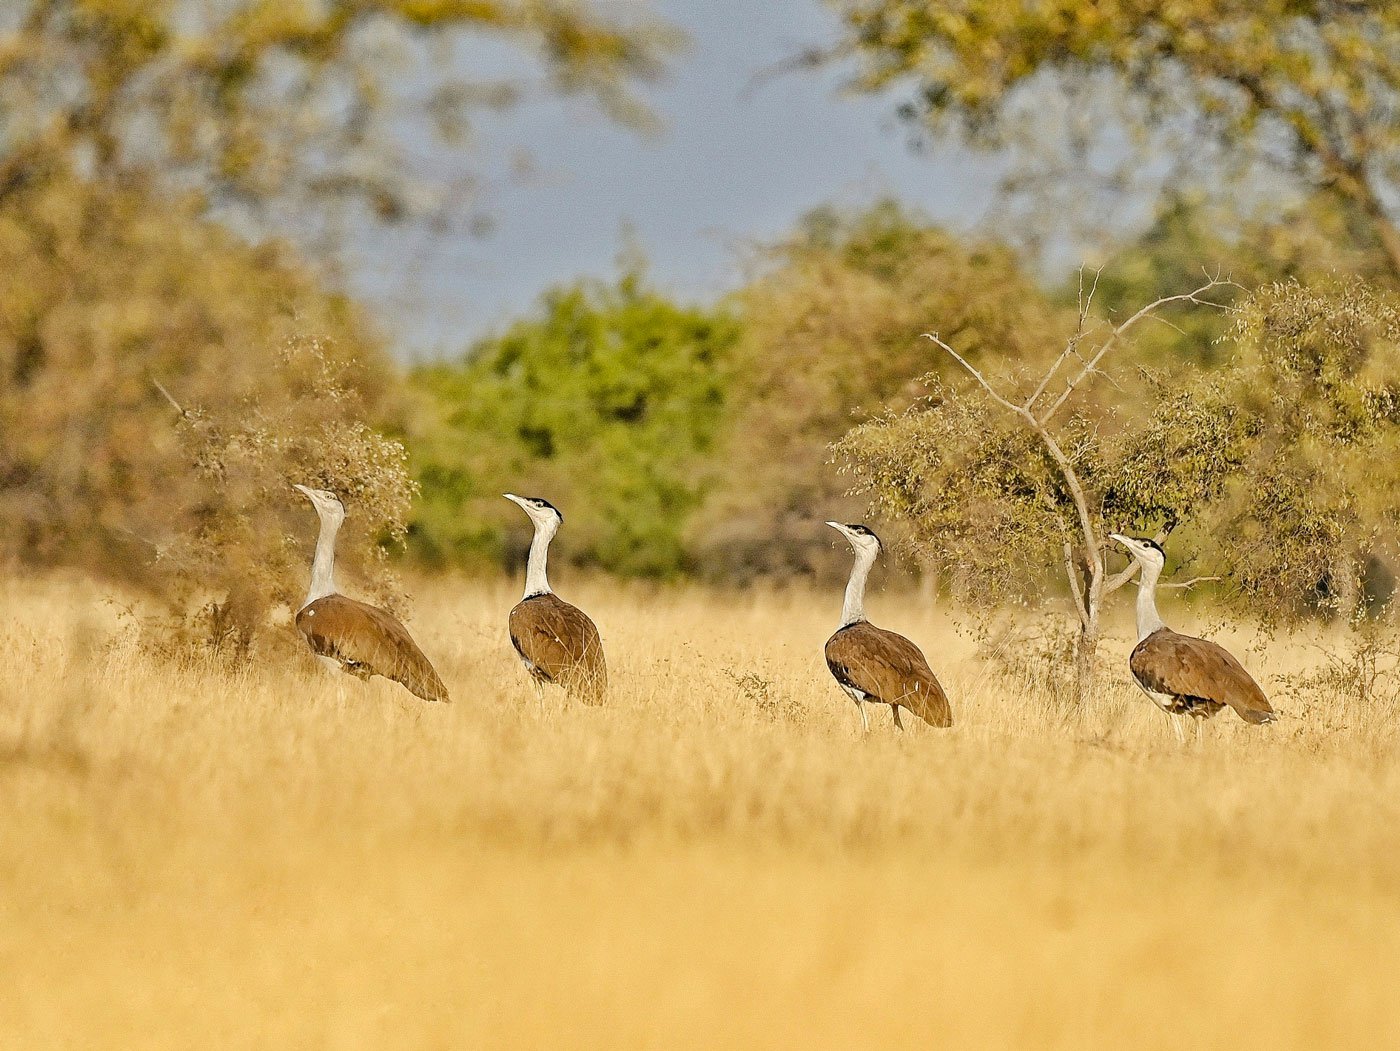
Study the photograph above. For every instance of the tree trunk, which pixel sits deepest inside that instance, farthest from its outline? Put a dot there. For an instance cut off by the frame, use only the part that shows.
(1354, 184)
(1086, 650)
(1388, 236)
(1345, 586)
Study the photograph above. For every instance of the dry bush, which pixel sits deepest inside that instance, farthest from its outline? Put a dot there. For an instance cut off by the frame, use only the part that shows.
(1355, 685)
(1035, 656)
(246, 553)
(767, 696)
(121, 295)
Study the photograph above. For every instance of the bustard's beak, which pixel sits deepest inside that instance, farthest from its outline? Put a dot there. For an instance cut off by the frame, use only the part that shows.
(514, 499)
(1121, 539)
(303, 490)
(837, 526)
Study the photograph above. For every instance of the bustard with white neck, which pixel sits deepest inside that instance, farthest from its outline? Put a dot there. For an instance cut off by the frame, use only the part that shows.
(1181, 674)
(557, 641)
(354, 636)
(875, 665)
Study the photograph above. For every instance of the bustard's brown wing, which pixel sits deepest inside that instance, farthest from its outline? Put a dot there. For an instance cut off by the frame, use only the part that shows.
(1184, 666)
(560, 644)
(889, 668)
(369, 640)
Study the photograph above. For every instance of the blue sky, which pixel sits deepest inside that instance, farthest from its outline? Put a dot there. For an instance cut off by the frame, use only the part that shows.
(736, 164)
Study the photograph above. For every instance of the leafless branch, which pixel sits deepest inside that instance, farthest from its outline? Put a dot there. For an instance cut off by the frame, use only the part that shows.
(170, 398)
(1063, 462)
(804, 61)
(1009, 406)
(1120, 578)
(1072, 345)
(1174, 327)
(1092, 365)
(1187, 584)
(1074, 586)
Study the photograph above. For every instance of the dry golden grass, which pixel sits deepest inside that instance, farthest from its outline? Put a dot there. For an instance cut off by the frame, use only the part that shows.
(278, 858)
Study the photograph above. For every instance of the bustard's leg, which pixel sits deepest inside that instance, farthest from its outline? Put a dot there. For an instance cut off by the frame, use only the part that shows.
(1176, 727)
(539, 693)
(895, 708)
(864, 719)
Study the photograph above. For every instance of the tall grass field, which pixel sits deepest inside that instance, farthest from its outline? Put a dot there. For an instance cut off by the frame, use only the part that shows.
(198, 856)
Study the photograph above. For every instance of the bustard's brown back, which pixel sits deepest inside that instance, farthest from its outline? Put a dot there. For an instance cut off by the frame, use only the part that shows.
(887, 667)
(560, 644)
(1184, 666)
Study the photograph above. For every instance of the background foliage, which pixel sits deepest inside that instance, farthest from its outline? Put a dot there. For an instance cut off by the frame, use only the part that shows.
(1251, 102)
(831, 322)
(280, 114)
(608, 403)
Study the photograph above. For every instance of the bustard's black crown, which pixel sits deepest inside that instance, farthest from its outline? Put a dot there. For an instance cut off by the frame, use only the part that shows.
(1152, 543)
(864, 530)
(540, 501)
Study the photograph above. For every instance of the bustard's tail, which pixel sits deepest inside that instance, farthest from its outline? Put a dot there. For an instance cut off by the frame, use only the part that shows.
(931, 705)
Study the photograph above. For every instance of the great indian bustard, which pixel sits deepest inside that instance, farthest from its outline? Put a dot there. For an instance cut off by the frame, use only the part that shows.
(361, 639)
(556, 640)
(876, 665)
(1181, 674)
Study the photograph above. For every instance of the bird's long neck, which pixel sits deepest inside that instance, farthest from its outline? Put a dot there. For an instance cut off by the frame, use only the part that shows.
(854, 607)
(1148, 619)
(323, 565)
(536, 580)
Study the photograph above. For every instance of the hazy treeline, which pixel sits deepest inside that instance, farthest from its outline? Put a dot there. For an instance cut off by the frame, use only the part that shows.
(824, 338)
(682, 438)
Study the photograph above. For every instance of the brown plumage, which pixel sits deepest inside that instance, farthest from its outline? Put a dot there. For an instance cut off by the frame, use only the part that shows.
(365, 641)
(1198, 676)
(885, 667)
(559, 644)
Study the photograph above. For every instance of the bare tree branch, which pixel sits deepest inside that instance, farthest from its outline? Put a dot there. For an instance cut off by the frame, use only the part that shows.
(1092, 547)
(1188, 584)
(1117, 333)
(1072, 345)
(170, 398)
(1074, 586)
(1009, 406)
(1120, 578)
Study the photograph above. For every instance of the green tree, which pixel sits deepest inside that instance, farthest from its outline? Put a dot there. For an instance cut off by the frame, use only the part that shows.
(608, 402)
(1275, 465)
(1306, 88)
(831, 327)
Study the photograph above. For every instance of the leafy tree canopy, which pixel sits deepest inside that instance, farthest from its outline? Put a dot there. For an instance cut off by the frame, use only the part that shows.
(1191, 234)
(1309, 515)
(1271, 465)
(265, 103)
(1303, 88)
(608, 402)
